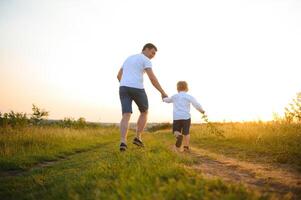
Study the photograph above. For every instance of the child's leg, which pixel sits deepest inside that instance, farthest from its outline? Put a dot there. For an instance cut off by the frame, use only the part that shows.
(186, 140)
(186, 134)
(179, 140)
(177, 129)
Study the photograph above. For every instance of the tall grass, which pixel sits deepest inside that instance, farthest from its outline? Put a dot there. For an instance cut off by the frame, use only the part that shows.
(262, 141)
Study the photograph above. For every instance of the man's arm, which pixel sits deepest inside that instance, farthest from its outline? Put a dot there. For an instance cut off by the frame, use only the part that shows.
(119, 75)
(155, 81)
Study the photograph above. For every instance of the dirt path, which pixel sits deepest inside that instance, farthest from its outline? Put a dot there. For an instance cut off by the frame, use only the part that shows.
(282, 182)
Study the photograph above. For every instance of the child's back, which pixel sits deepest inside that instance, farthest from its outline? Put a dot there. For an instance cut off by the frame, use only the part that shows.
(181, 105)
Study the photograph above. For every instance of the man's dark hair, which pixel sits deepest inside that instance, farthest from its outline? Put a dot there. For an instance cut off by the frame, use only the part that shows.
(149, 46)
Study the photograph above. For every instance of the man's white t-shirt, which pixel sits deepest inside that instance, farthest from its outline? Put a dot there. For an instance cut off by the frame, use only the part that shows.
(181, 105)
(133, 70)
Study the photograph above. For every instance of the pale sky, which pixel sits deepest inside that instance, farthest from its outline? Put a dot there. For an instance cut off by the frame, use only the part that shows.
(241, 59)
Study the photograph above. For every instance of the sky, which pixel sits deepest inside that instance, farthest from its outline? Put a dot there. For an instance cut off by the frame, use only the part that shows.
(241, 59)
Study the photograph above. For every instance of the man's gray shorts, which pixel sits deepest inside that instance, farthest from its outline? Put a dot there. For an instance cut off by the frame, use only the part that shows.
(128, 95)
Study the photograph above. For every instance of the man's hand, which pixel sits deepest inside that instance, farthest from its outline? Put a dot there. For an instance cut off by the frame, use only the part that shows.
(163, 95)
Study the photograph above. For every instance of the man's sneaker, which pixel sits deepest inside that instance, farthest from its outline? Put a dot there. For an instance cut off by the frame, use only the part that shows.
(138, 142)
(186, 149)
(123, 147)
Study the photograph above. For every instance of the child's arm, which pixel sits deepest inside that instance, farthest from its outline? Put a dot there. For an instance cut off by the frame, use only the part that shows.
(167, 99)
(197, 105)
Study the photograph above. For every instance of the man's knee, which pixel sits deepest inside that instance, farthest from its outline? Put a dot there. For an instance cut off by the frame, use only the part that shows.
(126, 116)
(144, 112)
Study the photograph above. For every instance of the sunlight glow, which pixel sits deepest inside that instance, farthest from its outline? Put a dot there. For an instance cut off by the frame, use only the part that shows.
(241, 59)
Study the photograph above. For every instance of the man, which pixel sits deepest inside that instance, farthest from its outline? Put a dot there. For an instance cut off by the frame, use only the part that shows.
(131, 89)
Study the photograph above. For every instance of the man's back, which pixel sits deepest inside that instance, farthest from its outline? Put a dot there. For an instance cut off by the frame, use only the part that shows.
(133, 69)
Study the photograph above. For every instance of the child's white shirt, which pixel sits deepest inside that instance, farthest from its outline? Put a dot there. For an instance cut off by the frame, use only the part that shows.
(181, 105)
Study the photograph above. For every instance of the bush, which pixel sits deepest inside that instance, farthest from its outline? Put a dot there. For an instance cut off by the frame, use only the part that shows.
(68, 122)
(16, 119)
(160, 126)
(13, 119)
(19, 119)
(293, 110)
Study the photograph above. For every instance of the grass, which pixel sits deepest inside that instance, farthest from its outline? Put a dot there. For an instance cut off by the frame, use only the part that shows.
(261, 142)
(21, 148)
(103, 172)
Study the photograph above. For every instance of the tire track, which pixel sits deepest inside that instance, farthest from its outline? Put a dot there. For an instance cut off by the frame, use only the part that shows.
(43, 164)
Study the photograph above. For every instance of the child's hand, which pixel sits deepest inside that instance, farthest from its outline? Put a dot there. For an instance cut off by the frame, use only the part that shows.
(164, 95)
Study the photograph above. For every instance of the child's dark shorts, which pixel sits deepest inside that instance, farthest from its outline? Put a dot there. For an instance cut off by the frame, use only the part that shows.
(182, 125)
(128, 95)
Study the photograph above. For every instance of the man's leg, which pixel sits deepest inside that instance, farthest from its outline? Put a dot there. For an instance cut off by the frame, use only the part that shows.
(124, 124)
(141, 124)
(141, 100)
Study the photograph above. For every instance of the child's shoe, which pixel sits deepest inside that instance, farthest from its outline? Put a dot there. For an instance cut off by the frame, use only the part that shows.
(177, 149)
(186, 149)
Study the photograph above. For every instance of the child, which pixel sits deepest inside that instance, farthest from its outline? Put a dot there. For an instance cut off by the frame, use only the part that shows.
(181, 114)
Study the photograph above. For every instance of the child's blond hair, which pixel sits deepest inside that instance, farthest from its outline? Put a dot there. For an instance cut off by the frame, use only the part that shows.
(182, 86)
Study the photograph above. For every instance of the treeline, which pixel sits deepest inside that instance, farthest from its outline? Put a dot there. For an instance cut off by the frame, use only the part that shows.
(38, 117)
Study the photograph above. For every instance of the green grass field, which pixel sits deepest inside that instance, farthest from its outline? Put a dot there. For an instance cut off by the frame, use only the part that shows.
(87, 164)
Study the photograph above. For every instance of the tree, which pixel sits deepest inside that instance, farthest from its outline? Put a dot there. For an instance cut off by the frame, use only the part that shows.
(38, 114)
(81, 122)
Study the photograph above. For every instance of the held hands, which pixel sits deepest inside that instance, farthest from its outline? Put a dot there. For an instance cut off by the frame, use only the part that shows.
(163, 95)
